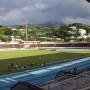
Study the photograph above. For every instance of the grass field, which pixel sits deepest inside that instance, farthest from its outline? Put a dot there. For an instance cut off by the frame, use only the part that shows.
(25, 58)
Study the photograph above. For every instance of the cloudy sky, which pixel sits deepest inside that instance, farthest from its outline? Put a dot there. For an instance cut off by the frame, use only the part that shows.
(44, 11)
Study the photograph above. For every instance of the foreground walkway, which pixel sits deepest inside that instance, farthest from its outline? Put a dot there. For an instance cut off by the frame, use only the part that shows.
(39, 76)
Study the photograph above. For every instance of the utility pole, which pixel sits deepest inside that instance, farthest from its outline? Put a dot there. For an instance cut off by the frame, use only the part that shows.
(26, 32)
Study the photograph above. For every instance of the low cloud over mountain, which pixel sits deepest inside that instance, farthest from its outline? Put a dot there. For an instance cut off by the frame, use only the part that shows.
(43, 11)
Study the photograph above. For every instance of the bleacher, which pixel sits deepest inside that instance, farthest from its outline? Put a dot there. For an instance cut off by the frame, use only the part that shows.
(76, 82)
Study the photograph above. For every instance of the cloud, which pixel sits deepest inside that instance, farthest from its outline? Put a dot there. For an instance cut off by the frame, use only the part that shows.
(44, 11)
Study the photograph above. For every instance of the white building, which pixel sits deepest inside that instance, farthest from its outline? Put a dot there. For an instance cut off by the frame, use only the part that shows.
(73, 27)
(14, 29)
(74, 30)
(82, 32)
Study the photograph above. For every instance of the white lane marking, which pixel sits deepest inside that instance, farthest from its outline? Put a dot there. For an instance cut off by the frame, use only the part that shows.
(19, 76)
(5, 81)
(10, 79)
(40, 71)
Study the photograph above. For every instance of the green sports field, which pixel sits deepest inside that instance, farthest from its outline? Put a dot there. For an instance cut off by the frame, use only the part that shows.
(47, 57)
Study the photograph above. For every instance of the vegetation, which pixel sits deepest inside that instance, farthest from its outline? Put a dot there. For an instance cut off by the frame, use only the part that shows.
(43, 32)
(48, 57)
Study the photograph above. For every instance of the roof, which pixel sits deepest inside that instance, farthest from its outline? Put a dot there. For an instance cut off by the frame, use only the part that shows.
(26, 85)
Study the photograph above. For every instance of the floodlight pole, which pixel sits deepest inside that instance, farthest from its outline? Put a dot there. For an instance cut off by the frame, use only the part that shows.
(26, 33)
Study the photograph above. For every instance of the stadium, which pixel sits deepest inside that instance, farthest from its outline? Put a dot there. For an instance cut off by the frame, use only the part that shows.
(40, 65)
(44, 68)
(44, 45)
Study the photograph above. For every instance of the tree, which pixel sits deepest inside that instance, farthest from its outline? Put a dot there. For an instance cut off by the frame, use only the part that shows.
(16, 33)
(62, 32)
(7, 34)
(32, 35)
